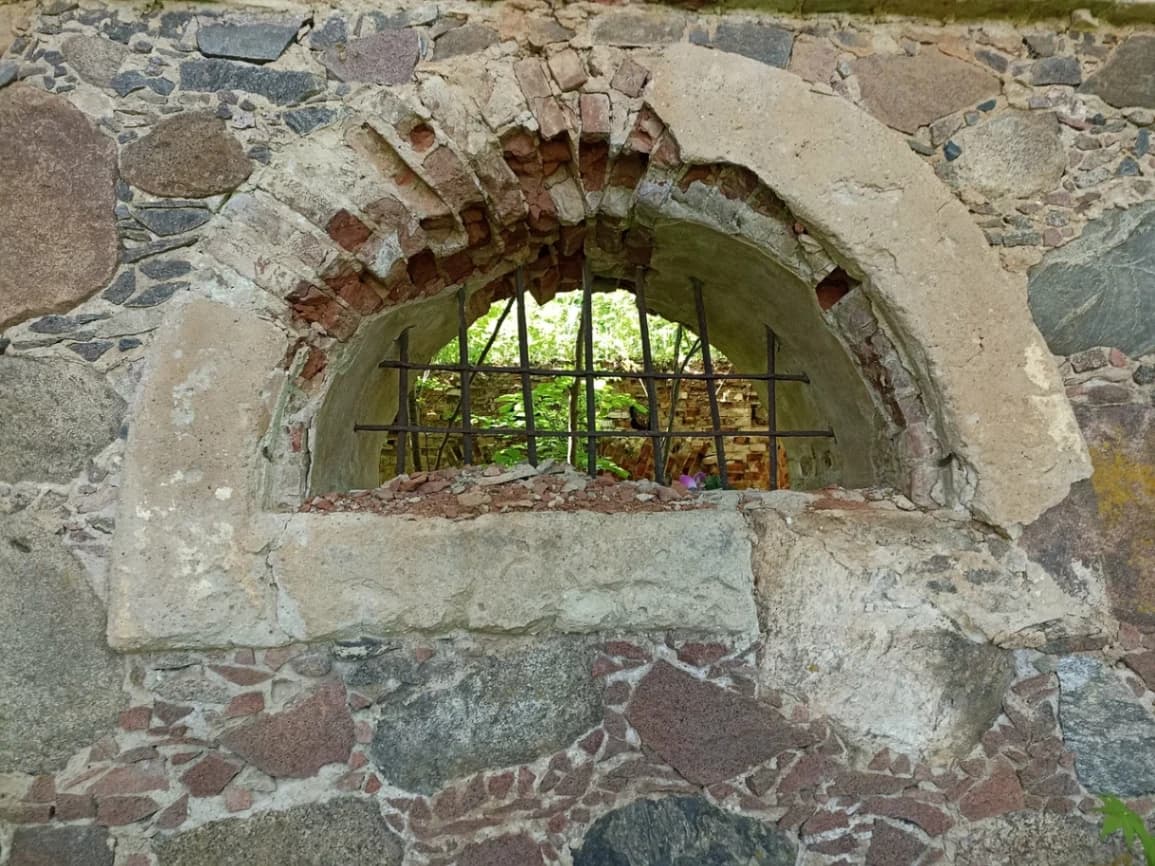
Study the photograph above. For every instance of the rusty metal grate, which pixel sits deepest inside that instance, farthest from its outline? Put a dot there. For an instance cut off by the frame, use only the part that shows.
(403, 425)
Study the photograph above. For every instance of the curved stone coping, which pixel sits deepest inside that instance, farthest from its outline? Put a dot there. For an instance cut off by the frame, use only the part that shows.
(982, 364)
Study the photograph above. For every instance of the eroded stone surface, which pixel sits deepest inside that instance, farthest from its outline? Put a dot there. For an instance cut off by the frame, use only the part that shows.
(56, 417)
(1017, 154)
(909, 92)
(95, 59)
(682, 830)
(52, 707)
(58, 241)
(280, 87)
(1127, 78)
(502, 710)
(341, 832)
(383, 58)
(1022, 838)
(188, 155)
(1110, 732)
(704, 732)
(259, 39)
(60, 846)
(868, 628)
(297, 742)
(1097, 290)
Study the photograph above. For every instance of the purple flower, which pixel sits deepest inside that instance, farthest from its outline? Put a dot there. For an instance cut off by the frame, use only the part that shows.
(693, 482)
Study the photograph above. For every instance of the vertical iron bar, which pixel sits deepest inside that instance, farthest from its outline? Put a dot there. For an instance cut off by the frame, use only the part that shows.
(526, 383)
(466, 377)
(591, 409)
(711, 385)
(648, 368)
(402, 397)
(772, 406)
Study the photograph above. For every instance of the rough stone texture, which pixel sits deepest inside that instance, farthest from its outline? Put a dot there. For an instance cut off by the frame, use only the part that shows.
(167, 221)
(341, 832)
(188, 155)
(383, 58)
(54, 706)
(467, 39)
(762, 42)
(1101, 531)
(519, 850)
(871, 199)
(95, 59)
(60, 846)
(297, 742)
(1018, 154)
(1028, 838)
(56, 416)
(909, 92)
(280, 87)
(704, 732)
(256, 39)
(681, 831)
(1097, 290)
(1110, 732)
(58, 175)
(203, 406)
(503, 710)
(891, 846)
(894, 676)
(474, 574)
(1128, 78)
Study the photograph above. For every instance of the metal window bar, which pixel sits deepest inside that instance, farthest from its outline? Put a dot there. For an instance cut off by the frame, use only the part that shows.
(649, 377)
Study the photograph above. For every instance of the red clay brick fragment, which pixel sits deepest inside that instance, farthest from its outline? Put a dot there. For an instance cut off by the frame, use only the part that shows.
(119, 811)
(240, 676)
(999, 794)
(933, 821)
(348, 231)
(519, 850)
(174, 815)
(890, 846)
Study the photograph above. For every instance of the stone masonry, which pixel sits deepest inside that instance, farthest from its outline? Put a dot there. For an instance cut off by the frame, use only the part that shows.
(221, 642)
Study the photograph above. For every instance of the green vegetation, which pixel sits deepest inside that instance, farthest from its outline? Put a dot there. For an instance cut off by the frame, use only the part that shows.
(1118, 818)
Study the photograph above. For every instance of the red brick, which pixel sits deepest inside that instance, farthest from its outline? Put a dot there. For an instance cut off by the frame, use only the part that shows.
(347, 230)
(934, 822)
(372, 784)
(701, 654)
(595, 116)
(247, 704)
(238, 799)
(592, 741)
(499, 785)
(240, 676)
(890, 846)
(42, 790)
(517, 850)
(73, 807)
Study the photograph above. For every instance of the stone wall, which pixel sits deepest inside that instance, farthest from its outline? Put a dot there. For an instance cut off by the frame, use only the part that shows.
(209, 222)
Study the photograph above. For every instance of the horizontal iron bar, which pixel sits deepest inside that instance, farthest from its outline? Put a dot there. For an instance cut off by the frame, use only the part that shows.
(597, 374)
(482, 432)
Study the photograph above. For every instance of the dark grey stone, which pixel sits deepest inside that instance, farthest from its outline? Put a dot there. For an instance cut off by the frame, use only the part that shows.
(156, 295)
(763, 42)
(1128, 78)
(155, 248)
(165, 269)
(172, 24)
(1056, 70)
(1127, 168)
(7, 72)
(334, 31)
(64, 324)
(502, 710)
(122, 31)
(1143, 142)
(466, 39)
(92, 350)
(126, 343)
(121, 288)
(1144, 374)
(128, 82)
(1097, 290)
(166, 221)
(304, 120)
(1110, 732)
(341, 832)
(629, 28)
(951, 151)
(254, 39)
(50, 710)
(61, 846)
(279, 87)
(993, 59)
(682, 831)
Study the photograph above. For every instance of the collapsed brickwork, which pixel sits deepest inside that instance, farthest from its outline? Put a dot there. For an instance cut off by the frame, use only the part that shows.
(216, 223)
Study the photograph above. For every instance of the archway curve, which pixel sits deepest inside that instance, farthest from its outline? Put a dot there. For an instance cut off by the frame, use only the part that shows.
(372, 221)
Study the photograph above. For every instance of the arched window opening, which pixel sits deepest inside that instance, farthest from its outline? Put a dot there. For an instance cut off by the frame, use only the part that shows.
(635, 396)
